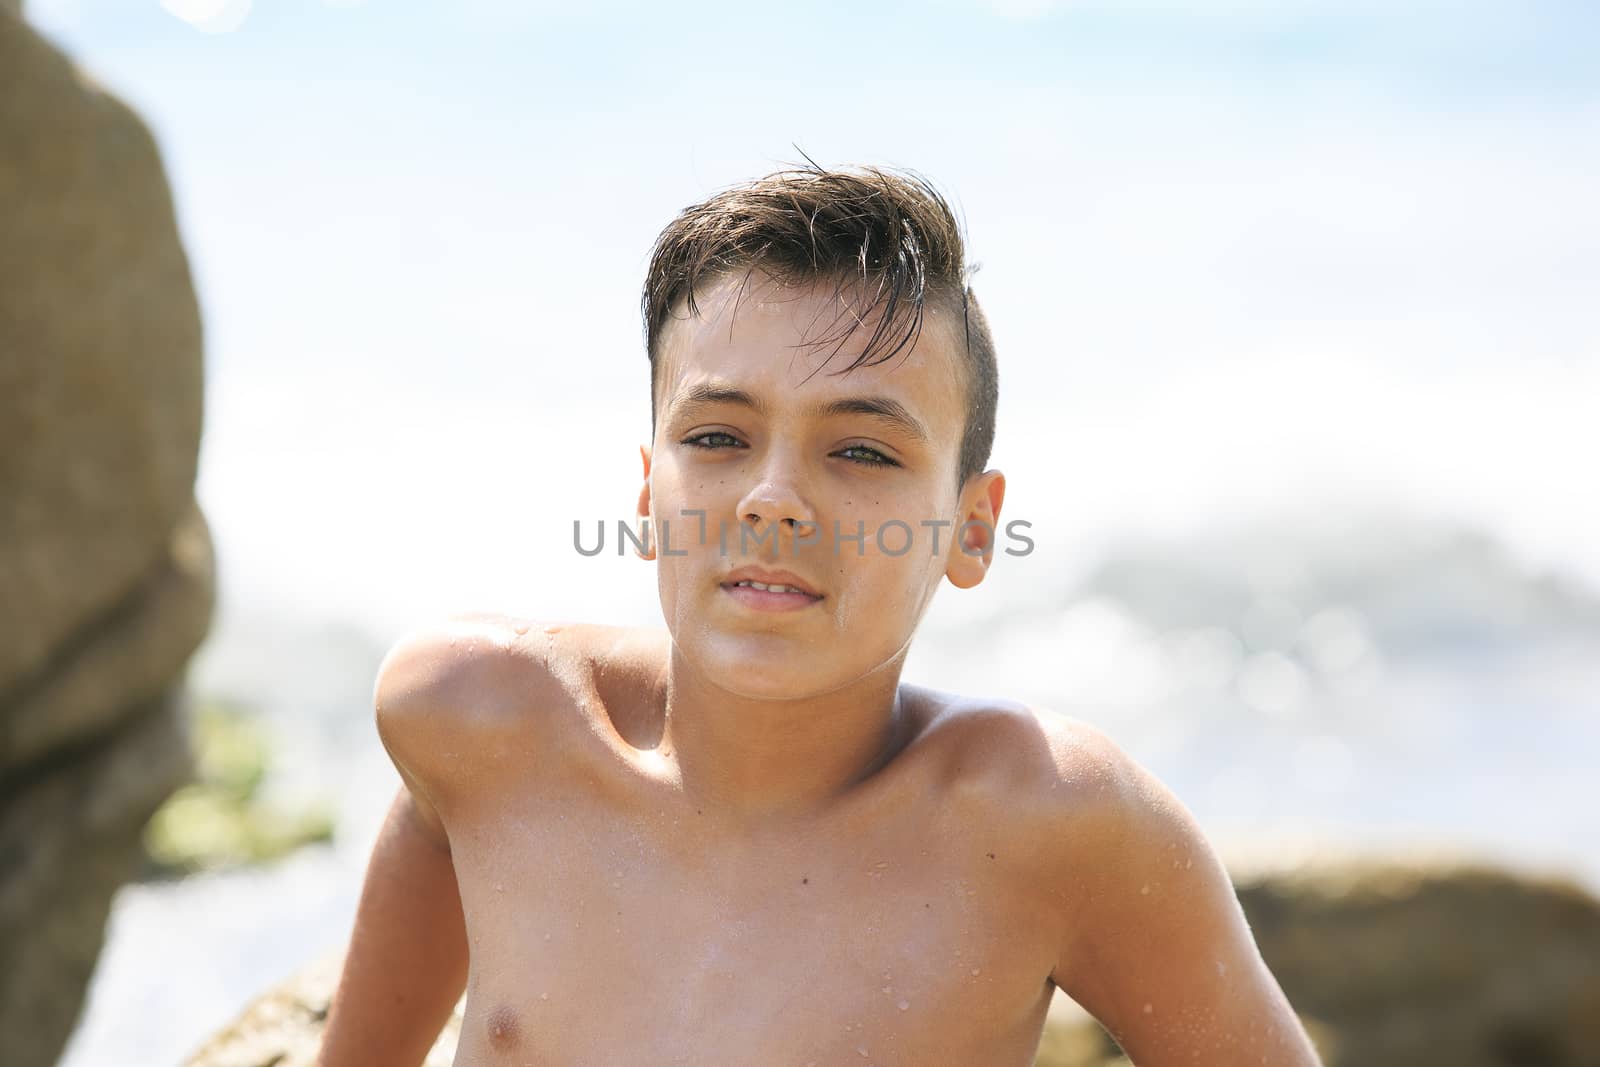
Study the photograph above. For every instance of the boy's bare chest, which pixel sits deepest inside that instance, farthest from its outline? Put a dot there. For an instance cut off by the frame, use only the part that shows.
(606, 940)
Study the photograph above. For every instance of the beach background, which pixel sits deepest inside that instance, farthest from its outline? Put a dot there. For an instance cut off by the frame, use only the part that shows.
(1298, 349)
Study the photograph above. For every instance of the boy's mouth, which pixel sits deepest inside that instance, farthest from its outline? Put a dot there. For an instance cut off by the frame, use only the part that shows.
(763, 597)
(763, 577)
(770, 590)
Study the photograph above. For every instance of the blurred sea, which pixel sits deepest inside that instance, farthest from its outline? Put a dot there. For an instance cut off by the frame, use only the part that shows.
(1305, 684)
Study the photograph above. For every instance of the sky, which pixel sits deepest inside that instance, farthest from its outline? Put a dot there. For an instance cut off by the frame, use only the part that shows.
(1237, 257)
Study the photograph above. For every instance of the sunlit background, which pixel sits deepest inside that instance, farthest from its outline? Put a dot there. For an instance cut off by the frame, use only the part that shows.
(1295, 311)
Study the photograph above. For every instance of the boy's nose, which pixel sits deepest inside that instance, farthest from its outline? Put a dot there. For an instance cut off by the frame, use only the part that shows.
(776, 502)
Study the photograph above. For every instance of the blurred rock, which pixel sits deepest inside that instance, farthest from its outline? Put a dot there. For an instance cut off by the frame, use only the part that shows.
(1464, 966)
(1391, 965)
(106, 569)
(282, 1027)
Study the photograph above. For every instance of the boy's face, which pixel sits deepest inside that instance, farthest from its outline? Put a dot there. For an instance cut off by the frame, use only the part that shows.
(779, 485)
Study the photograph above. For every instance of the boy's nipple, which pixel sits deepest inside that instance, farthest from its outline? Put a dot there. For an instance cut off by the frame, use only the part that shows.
(503, 1027)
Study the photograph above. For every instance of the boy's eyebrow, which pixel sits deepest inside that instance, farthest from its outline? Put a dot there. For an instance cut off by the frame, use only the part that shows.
(884, 408)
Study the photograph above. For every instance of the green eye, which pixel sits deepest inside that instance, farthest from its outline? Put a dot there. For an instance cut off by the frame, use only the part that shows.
(696, 440)
(881, 460)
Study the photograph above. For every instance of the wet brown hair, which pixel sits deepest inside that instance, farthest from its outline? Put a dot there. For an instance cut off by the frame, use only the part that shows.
(890, 233)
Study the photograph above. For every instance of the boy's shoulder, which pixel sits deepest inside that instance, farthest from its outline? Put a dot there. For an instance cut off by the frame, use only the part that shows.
(1056, 782)
(1068, 794)
(1017, 750)
(472, 690)
(464, 664)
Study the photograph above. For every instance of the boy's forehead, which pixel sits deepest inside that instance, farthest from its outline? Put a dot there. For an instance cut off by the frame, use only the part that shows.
(782, 341)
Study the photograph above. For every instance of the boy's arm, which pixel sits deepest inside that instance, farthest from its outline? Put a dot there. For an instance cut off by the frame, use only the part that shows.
(407, 960)
(1156, 946)
(406, 965)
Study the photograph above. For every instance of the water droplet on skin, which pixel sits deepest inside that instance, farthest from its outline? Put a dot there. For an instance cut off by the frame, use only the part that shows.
(888, 989)
(498, 888)
(1187, 864)
(547, 937)
(976, 971)
(520, 628)
(552, 629)
(861, 1050)
(544, 996)
(1148, 1009)
(1144, 890)
(903, 1005)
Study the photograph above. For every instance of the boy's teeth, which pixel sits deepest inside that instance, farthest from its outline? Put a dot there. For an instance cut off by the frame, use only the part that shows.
(773, 588)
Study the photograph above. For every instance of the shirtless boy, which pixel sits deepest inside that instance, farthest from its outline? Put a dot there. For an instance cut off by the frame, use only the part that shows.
(743, 840)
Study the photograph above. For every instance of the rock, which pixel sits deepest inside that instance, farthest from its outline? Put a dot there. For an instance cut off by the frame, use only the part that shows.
(69, 836)
(106, 569)
(1391, 964)
(1466, 965)
(100, 375)
(282, 1027)
(1404, 964)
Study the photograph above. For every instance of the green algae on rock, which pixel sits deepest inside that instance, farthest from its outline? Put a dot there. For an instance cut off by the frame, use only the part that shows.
(222, 820)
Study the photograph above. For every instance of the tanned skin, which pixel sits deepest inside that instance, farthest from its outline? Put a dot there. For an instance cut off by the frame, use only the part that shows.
(742, 839)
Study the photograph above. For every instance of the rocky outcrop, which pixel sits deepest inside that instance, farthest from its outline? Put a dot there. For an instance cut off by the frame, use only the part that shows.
(1392, 965)
(106, 569)
(1469, 967)
(281, 1028)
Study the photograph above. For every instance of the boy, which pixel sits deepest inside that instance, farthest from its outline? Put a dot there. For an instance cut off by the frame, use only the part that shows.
(743, 840)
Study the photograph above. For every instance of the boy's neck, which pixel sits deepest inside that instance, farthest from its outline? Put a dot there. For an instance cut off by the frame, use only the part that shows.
(765, 761)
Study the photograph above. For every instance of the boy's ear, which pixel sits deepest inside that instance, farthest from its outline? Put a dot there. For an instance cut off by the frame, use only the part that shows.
(972, 548)
(649, 551)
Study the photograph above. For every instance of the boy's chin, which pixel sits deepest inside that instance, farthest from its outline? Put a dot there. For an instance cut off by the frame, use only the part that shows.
(768, 689)
(763, 669)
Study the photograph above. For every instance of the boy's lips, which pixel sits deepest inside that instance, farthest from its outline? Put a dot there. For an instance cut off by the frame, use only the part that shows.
(794, 593)
(771, 577)
(770, 600)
